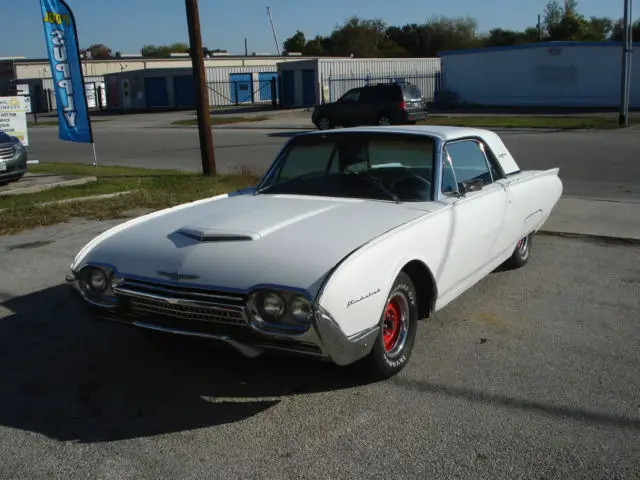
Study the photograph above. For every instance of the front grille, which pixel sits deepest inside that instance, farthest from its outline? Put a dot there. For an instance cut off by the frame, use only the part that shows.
(147, 299)
(7, 151)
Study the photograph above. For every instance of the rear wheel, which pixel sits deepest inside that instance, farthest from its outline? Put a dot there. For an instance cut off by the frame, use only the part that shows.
(398, 325)
(384, 120)
(521, 253)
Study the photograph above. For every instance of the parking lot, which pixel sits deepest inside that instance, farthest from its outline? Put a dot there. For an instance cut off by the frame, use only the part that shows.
(533, 373)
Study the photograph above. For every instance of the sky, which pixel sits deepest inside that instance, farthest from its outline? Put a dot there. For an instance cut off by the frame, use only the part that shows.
(127, 25)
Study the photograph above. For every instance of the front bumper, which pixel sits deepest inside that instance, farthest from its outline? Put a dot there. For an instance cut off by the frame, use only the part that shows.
(13, 168)
(324, 339)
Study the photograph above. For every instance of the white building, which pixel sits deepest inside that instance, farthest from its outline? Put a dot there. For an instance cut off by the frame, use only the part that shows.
(549, 74)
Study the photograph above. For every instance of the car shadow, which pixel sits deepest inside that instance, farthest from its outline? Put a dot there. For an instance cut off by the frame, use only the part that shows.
(70, 378)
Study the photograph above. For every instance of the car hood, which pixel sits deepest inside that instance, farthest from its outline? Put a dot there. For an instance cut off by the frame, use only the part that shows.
(238, 243)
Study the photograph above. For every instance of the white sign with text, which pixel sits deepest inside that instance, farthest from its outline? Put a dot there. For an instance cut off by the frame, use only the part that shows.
(13, 118)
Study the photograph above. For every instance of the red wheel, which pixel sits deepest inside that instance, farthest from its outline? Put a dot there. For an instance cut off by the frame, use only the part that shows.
(392, 349)
(395, 324)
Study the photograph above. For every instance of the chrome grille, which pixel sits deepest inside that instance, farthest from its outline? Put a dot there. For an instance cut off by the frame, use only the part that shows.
(7, 151)
(149, 299)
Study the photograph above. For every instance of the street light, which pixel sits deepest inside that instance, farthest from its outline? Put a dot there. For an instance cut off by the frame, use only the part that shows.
(627, 52)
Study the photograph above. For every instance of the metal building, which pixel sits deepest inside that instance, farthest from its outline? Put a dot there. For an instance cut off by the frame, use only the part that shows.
(546, 74)
(317, 80)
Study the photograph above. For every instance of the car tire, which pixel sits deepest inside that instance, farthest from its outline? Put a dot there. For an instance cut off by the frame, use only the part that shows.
(398, 325)
(521, 253)
(384, 120)
(324, 123)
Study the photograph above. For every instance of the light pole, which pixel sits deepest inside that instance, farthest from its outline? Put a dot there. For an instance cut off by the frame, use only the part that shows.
(627, 52)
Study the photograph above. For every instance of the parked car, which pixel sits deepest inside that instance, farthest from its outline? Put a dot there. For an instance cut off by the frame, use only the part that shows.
(382, 104)
(350, 238)
(13, 158)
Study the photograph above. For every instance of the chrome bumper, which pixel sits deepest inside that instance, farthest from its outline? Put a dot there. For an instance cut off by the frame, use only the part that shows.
(324, 333)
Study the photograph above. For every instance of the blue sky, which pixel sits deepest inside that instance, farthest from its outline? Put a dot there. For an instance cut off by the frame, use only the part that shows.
(126, 25)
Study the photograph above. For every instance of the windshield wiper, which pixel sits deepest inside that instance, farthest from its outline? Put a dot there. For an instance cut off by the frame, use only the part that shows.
(376, 182)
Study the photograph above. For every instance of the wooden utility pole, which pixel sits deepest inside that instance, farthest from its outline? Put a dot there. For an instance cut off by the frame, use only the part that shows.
(202, 95)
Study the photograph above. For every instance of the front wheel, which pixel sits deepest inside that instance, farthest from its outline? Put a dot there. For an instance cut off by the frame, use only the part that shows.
(398, 325)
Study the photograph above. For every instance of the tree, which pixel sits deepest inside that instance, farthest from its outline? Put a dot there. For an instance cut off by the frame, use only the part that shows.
(295, 43)
(163, 51)
(99, 51)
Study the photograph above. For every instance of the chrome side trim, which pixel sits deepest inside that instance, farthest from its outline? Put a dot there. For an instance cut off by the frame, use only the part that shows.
(246, 350)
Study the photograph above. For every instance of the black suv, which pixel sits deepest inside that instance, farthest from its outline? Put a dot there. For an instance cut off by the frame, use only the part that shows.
(382, 104)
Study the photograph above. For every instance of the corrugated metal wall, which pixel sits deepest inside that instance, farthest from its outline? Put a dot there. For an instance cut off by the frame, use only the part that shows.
(337, 76)
(220, 87)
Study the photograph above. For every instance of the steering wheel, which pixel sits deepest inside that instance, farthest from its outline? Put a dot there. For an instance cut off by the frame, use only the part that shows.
(410, 176)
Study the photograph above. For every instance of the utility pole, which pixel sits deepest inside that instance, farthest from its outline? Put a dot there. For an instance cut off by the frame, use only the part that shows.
(623, 118)
(539, 29)
(202, 96)
(273, 29)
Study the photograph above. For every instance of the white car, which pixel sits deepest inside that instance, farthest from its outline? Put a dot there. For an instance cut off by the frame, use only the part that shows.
(350, 238)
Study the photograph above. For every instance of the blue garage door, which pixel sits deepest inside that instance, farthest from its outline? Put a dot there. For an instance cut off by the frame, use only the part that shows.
(288, 88)
(184, 90)
(241, 87)
(308, 87)
(156, 92)
(264, 80)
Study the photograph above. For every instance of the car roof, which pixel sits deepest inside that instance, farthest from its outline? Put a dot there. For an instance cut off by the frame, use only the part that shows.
(442, 132)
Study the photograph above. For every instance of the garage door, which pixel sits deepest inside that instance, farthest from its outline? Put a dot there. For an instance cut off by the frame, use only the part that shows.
(184, 91)
(156, 92)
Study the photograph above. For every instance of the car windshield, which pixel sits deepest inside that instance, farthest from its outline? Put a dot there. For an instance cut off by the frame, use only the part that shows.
(381, 165)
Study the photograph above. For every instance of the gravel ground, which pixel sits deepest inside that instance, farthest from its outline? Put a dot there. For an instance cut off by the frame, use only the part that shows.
(533, 373)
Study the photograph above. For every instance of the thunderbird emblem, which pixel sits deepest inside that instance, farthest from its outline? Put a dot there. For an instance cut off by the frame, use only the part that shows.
(177, 275)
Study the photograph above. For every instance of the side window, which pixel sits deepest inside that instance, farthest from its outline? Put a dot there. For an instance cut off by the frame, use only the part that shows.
(370, 95)
(469, 163)
(351, 96)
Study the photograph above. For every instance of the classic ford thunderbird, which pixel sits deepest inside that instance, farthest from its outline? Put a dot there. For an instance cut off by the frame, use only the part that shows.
(350, 238)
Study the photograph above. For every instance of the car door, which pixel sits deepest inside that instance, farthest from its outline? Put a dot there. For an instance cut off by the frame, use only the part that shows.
(476, 217)
(350, 107)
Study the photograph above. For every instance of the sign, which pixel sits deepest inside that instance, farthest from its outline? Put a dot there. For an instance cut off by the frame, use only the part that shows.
(13, 118)
(61, 38)
(23, 89)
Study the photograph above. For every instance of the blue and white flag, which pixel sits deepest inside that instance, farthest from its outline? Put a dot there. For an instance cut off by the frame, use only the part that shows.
(61, 38)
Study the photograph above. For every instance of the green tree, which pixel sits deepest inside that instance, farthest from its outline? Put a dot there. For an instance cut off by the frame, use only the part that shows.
(295, 43)
(99, 51)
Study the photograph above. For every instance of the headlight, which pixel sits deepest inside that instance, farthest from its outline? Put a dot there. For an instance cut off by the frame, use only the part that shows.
(98, 282)
(272, 307)
(300, 309)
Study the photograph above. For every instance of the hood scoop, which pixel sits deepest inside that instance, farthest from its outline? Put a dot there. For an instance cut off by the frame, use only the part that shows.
(213, 235)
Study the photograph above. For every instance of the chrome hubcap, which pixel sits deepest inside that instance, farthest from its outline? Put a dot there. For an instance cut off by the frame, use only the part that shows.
(523, 247)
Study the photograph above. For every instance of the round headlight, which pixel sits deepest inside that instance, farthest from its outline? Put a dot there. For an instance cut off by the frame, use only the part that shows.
(273, 306)
(300, 309)
(98, 281)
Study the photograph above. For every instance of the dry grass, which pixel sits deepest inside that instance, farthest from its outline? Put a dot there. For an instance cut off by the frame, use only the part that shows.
(153, 190)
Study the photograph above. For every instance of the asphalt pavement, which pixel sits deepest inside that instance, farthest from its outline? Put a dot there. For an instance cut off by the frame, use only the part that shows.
(533, 373)
(593, 164)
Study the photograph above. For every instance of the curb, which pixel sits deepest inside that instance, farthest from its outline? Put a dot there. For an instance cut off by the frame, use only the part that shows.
(80, 199)
(591, 237)
(41, 188)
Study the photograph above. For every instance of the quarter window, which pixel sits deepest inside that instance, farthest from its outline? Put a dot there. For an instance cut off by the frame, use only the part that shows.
(469, 163)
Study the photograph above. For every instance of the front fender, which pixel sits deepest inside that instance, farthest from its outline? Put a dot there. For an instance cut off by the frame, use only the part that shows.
(356, 291)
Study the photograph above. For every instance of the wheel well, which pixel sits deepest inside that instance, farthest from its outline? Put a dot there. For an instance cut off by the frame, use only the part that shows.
(425, 284)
